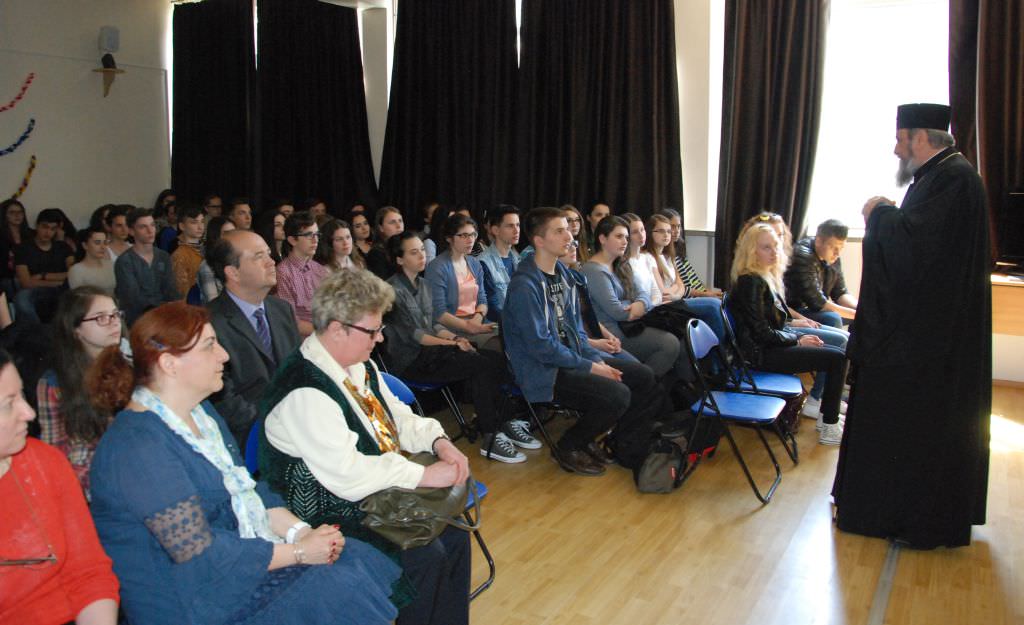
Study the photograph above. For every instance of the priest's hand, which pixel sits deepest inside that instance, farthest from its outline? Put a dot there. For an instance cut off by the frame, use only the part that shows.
(874, 203)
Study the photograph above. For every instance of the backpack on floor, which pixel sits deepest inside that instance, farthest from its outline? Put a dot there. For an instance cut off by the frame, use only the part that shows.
(663, 469)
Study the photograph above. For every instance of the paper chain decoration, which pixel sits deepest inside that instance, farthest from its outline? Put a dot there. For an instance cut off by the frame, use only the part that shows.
(14, 146)
(26, 178)
(21, 94)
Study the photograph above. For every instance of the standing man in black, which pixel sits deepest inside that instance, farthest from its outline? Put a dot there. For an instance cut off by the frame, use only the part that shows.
(256, 329)
(914, 459)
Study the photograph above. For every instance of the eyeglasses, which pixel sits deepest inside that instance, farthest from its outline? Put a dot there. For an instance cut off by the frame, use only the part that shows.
(574, 220)
(309, 235)
(371, 332)
(466, 236)
(105, 319)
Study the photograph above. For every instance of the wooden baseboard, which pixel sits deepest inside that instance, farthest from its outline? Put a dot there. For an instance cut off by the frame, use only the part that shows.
(1009, 383)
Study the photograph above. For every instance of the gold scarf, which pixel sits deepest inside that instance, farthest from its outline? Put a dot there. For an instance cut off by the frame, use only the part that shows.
(384, 428)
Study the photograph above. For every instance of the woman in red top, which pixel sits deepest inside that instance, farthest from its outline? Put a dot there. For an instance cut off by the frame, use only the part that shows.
(52, 567)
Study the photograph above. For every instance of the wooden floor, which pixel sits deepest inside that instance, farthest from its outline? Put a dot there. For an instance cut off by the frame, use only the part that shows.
(585, 551)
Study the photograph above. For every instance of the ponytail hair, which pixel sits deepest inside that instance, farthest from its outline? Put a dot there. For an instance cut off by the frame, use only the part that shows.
(169, 329)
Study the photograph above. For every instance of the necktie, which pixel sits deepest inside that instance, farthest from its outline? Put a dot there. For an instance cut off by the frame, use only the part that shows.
(263, 331)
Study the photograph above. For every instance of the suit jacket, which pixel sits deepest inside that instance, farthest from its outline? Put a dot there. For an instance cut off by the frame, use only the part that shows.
(249, 371)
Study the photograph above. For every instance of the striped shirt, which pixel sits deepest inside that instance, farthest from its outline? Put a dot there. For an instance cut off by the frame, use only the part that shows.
(690, 277)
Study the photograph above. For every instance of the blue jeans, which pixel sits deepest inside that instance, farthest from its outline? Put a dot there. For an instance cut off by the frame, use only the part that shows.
(708, 310)
(37, 304)
(824, 317)
(830, 336)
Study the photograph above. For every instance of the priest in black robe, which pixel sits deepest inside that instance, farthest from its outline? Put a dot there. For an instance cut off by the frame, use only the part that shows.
(913, 464)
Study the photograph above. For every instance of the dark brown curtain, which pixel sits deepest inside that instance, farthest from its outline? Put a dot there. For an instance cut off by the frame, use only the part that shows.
(597, 109)
(314, 137)
(986, 66)
(771, 107)
(214, 74)
(449, 118)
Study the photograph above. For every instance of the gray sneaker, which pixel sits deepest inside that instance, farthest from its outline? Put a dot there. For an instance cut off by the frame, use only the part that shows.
(501, 450)
(831, 434)
(518, 431)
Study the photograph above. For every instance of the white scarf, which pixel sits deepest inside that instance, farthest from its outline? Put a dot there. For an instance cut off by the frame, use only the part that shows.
(245, 502)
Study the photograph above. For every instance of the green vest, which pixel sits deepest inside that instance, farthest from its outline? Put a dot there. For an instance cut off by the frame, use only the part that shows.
(289, 476)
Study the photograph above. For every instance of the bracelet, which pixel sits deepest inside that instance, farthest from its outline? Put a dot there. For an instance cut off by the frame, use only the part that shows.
(300, 555)
(294, 530)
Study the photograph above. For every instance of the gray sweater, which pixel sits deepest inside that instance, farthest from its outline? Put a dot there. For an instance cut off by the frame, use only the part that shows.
(142, 285)
(408, 321)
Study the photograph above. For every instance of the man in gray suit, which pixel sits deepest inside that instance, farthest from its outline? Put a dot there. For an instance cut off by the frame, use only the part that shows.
(257, 330)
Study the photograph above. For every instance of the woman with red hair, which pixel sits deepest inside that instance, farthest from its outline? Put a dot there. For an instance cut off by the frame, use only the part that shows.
(193, 538)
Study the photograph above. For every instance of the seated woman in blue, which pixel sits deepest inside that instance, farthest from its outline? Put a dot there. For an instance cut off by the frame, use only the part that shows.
(193, 538)
(456, 282)
(616, 299)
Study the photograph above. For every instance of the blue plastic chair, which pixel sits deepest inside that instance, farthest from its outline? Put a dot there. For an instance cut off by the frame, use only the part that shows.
(730, 407)
(411, 400)
(252, 447)
(402, 391)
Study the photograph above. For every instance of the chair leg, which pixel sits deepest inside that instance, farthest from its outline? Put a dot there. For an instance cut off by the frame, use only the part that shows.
(543, 430)
(767, 497)
(453, 406)
(487, 556)
(788, 442)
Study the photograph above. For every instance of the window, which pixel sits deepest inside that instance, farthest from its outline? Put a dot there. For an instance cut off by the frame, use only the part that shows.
(879, 54)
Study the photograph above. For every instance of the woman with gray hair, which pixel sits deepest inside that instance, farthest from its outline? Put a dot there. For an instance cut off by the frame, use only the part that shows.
(333, 434)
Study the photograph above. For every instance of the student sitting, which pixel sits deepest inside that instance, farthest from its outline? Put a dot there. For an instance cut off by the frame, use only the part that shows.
(683, 267)
(500, 259)
(52, 567)
(193, 538)
(757, 304)
(617, 299)
(95, 269)
(257, 329)
(337, 250)
(456, 282)
(269, 224)
(119, 239)
(421, 350)
(240, 213)
(553, 361)
(298, 275)
(87, 322)
(210, 285)
(144, 276)
(188, 255)
(41, 265)
(814, 280)
(389, 223)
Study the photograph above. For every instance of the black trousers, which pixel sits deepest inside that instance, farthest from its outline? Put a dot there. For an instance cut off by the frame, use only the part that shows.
(803, 359)
(484, 370)
(603, 403)
(440, 572)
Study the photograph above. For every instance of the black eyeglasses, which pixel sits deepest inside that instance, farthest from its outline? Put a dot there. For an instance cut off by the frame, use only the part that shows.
(466, 236)
(371, 332)
(105, 319)
(310, 235)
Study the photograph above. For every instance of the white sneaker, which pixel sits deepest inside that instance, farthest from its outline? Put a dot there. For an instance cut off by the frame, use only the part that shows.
(812, 408)
(821, 421)
(831, 434)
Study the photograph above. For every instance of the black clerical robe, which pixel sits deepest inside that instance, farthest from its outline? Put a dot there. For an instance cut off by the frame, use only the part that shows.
(914, 458)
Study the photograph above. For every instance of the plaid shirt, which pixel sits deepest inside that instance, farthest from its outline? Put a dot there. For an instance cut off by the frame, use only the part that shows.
(297, 280)
(51, 421)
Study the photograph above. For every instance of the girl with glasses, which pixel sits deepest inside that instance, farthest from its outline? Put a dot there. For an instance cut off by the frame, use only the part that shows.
(87, 321)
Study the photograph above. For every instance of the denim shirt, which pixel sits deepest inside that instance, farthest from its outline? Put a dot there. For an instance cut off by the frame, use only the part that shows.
(497, 277)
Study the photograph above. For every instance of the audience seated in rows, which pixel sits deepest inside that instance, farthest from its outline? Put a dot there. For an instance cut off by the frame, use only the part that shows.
(188, 254)
(165, 217)
(334, 433)
(257, 330)
(13, 230)
(298, 275)
(389, 222)
(41, 266)
(500, 258)
(240, 213)
(210, 286)
(337, 250)
(193, 538)
(814, 280)
(434, 242)
(144, 275)
(87, 322)
(53, 567)
(553, 362)
(423, 350)
(269, 224)
(95, 268)
(757, 303)
(213, 204)
(362, 233)
(119, 235)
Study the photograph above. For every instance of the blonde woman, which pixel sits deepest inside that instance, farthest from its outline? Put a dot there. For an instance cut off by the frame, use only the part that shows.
(757, 303)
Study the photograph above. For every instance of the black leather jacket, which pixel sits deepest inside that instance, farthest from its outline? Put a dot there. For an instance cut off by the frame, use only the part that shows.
(760, 317)
(810, 283)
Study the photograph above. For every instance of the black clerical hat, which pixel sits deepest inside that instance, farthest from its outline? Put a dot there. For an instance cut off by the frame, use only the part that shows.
(935, 116)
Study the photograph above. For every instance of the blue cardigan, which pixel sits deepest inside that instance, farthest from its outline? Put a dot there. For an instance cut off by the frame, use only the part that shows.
(529, 326)
(609, 297)
(444, 287)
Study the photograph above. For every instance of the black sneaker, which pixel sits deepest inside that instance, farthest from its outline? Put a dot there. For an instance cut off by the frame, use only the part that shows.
(501, 449)
(518, 432)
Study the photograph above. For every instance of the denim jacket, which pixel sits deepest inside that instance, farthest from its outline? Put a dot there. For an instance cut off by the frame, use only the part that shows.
(497, 279)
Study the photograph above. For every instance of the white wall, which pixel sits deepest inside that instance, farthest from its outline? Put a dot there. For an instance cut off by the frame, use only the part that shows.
(91, 150)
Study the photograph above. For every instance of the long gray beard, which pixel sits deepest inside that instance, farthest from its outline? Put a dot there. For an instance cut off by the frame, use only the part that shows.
(906, 171)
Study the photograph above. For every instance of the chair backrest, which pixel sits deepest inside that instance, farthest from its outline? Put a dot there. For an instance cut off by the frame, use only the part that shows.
(252, 447)
(727, 320)
(702, 338)
(399, 388)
